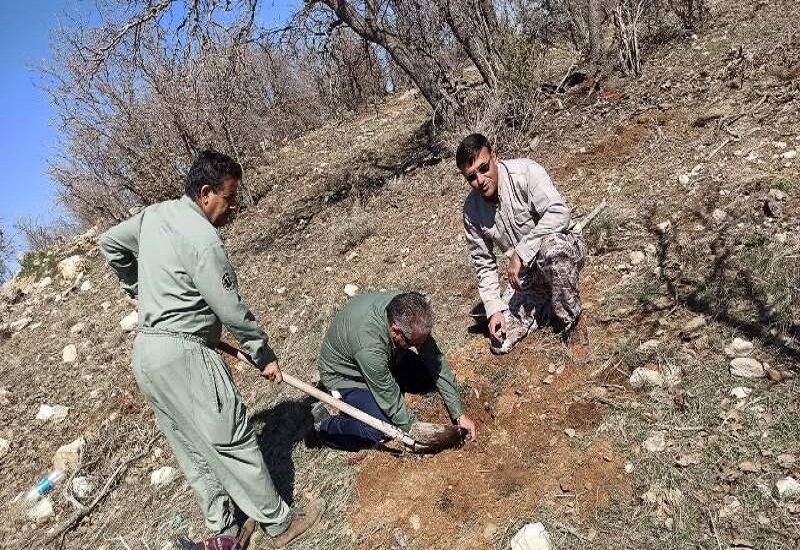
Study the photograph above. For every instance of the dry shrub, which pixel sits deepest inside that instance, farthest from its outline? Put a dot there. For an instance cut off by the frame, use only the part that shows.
(6, 250)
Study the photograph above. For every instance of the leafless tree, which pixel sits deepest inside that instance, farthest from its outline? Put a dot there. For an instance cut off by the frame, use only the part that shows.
(6, 251)
(627, 16)
(39, 235)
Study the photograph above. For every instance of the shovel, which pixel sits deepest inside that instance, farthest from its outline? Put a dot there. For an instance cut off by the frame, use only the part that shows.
(425, 437)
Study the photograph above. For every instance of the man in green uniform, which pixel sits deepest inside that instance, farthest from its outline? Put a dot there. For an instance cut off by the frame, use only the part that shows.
(171, 259)
(366, 360)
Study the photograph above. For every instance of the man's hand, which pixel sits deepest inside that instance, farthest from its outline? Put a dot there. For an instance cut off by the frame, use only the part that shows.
(466, 422)
(273, 373)
(497, 326)
(512, 271)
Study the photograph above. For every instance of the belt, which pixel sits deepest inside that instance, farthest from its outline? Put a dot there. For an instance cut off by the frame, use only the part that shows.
(174, 334)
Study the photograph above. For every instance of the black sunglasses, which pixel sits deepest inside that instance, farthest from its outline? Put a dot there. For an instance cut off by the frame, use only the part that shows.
(483, 168)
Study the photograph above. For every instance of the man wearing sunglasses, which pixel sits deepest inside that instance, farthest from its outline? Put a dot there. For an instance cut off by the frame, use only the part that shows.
(378, 347)
(514, 205)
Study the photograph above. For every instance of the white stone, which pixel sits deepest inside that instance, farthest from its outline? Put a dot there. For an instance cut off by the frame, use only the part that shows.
(693, 325)
(69, 354)
(20, 324)
(82, 486)
(656, 442)
(646, 378)
(570, 433)
(5, 445)
(86, 285)
(69, 268)
(44, 283)
(730, 507)
(68, 457)
(788, 488)
(629, 467)
(130, 321)
(664, 227)
(777, 194)
(293, 329)
(280, 290)
(60, 412)
(637, 257)
(45, 413)
(41, 511)
(684, 179)
(741, 392)
(163, 476)
(789, 155)
(719, 215)
(747, 367)
(105, 305)
(531, 537)
(350, 289)
(415, 522)
(77, 328)
(739, 348)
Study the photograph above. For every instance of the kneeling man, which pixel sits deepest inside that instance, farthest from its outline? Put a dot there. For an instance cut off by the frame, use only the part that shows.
(515, 206)
(367, 360)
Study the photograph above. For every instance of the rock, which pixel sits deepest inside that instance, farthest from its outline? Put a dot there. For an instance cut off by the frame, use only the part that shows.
(786, 461)
(629, 467)
(646, 378)
(489, 531)
(719, 215)
(77, 328)
(741, 392)
(69, 354)
(750, 467)
(10, 294)
(788, 488)
(105, 305)
(68, 457)
(687, 460)
(82, 486)
(163, 476)
(532, 536)
(86, 285)
(570, 433)
(747, 367)
(730, 507)
(130, 321)
(41, 511)
(70, 268)
(656, 442)
(773, 208)
(350, 289)
(777, 194)
(415, 522)
(549, 379)
(739, 348)
(44, 283)
(293, 329)
(5, 446)
(60, 412)
(789, 155)
(684, 179)
(637, 257)
(773, 374)
(648, 346)
(45, 413)
(691, 328)
(20, 324)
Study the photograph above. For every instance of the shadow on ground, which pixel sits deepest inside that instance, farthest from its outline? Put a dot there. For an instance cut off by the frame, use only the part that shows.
(279, 429)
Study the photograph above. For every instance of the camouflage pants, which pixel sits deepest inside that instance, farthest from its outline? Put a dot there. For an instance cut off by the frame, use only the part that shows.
(549, 290)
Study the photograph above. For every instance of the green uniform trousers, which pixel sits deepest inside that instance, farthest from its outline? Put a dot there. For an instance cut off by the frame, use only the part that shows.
(201, 413)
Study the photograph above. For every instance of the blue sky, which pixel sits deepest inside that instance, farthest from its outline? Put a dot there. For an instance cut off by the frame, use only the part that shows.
(27, 136)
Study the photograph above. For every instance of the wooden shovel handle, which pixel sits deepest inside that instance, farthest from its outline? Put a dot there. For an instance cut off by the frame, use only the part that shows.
(384, 427)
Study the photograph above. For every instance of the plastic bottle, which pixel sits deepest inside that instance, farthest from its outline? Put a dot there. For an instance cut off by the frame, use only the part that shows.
(43, 486)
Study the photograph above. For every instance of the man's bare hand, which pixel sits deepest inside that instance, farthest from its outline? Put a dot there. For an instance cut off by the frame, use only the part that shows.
(497, 326)
(273, 373)
(466, 422)
(512, 271)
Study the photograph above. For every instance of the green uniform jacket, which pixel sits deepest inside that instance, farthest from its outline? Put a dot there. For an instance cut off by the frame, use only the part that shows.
(171, 259)
(357, 353)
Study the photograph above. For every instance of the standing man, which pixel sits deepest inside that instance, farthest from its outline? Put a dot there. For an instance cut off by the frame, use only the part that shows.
(513, 205)
(366, 360)
(171, 259)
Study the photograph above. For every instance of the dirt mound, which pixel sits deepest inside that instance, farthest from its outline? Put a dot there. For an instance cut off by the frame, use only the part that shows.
(524, 456)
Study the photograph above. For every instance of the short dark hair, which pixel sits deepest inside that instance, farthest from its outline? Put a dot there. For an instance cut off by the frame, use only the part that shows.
(469, 148)
(410, 311)
(211, 168)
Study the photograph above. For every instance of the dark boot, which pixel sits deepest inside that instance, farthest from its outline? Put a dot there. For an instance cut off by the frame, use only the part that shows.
(577, 340)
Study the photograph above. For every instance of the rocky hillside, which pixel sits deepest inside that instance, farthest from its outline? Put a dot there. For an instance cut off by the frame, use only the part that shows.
(683, 433)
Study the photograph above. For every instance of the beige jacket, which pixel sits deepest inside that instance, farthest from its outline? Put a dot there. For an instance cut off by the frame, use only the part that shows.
(529, 207)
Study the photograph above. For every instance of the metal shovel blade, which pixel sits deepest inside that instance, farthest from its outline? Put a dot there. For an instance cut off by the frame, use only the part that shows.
(432, 438)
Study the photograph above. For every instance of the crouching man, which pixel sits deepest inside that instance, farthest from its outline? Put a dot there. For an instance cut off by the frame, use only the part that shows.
(366, 360)
(171, 259)
(515, 206)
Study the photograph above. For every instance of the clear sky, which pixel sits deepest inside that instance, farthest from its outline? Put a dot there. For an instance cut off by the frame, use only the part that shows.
(27, 134)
